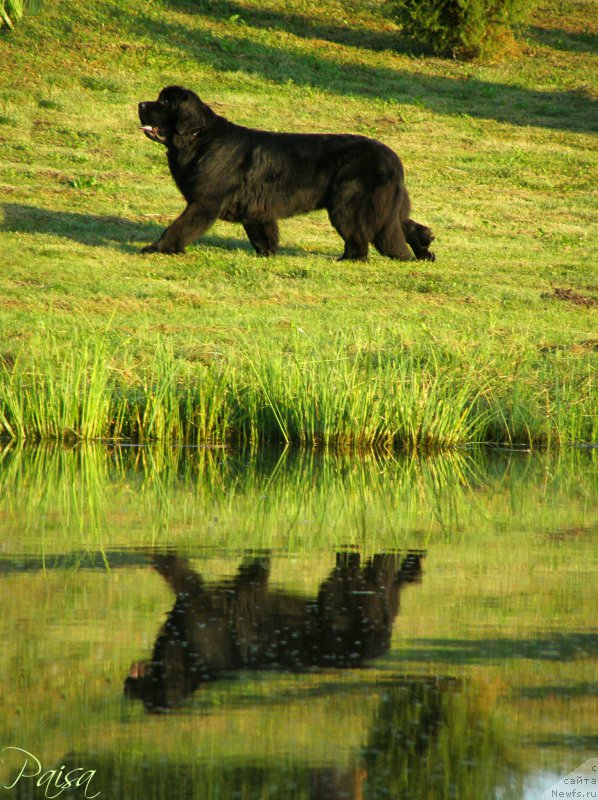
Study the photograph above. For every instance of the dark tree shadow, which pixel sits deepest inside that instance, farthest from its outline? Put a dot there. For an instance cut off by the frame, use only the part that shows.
(562, 110)
(567, 41)
(426, 737)
(568, 741)
(361, 37)
(301, 26)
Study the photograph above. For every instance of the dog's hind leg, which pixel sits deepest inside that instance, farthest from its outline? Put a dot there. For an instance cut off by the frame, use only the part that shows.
(263, 236)
(347, 223)
(390, 239)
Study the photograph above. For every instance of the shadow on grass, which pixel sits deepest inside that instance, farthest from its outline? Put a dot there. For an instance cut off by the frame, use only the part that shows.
(563, 110)
(565, 647)
(89, 229)
(361, 37)
(566, 41)
(125, 235)
(300, 25)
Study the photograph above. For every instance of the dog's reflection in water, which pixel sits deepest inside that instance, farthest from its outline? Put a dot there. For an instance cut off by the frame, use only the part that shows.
(218, 628)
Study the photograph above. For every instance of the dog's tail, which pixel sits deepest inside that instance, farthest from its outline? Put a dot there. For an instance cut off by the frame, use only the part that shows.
(420, 237)
(399, 230)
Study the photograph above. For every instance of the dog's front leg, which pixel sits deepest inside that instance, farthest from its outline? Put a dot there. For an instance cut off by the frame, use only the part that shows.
(193, 223)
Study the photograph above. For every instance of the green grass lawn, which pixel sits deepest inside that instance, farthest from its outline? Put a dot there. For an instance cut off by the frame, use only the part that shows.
(500, 161)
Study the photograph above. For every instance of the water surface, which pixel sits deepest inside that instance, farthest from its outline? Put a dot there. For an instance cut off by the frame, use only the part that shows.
(203, 624)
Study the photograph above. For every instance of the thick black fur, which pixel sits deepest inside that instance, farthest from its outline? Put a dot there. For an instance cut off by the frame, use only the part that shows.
(255, 177)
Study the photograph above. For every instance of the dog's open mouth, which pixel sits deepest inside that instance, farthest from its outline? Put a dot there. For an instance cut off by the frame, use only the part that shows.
(156, 134)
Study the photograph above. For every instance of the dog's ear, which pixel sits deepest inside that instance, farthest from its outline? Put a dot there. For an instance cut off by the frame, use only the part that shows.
(193, 116)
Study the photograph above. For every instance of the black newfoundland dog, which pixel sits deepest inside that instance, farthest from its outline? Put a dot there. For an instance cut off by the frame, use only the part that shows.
(255, 177)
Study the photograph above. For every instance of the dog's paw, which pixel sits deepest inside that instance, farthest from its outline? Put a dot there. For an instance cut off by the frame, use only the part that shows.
(164, 249)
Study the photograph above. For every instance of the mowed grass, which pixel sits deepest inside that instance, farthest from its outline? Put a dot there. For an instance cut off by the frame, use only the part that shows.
(496, 340)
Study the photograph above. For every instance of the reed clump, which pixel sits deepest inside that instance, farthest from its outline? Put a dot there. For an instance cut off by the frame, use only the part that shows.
(11, 11)
(347, 396)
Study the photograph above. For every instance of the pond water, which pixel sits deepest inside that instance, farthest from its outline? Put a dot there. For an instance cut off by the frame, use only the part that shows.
(196, 623)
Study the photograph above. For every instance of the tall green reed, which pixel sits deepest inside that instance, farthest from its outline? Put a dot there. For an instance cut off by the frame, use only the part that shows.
(355, 399)
(58, 393)
(548, 402)
(340, 393)
(11, 11)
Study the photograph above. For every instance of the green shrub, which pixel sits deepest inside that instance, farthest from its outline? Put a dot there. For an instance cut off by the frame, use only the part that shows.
(461, 28)
(13, 10)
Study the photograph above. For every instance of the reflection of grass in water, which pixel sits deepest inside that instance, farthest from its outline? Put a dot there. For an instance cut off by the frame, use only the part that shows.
(78, 631)
(411, 737)
(92, 496)
(110, 621)
(510, 553)
(429, 741)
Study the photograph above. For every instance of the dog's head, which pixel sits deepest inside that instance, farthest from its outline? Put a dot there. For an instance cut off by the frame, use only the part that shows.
(177, 111)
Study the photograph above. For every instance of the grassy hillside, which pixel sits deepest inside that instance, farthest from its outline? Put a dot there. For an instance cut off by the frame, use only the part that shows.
(500, 161)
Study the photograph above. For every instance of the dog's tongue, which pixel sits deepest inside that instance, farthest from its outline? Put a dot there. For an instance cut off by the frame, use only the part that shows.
(153, 133)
